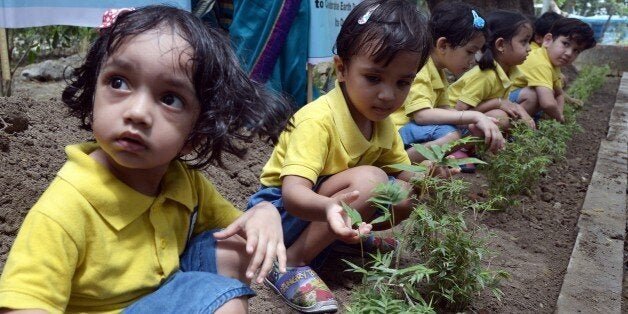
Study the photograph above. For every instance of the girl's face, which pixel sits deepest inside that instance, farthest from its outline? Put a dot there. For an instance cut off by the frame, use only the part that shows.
(462, 58)
(375, 90)
(516, 50)
(145, 105)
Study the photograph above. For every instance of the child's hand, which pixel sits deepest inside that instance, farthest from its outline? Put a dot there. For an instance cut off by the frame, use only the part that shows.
(527, 118)
(492, 135)
(339, 221)
(510, 108)
(261, 227)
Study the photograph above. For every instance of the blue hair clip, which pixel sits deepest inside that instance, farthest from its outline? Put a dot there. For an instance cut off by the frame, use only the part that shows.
(478, 22)
(367, 15)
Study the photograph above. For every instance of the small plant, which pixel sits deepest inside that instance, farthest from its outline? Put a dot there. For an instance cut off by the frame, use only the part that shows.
(590, 79)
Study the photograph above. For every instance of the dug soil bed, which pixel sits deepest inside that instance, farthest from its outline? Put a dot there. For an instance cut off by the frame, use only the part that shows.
(532, 242)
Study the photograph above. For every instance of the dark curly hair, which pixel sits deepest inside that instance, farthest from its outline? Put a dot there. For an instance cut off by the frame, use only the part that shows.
(394, 26)
(233, 107)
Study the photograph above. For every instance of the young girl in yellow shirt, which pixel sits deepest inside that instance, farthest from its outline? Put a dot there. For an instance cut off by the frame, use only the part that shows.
(458, 33)
(485, 87)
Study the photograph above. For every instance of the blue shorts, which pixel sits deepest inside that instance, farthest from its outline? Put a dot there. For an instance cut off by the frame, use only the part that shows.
(413, 133)
(196, 287)
(514, 95)
(293, 226)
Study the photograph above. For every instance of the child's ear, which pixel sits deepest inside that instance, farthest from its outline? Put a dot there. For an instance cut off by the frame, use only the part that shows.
(547, 39)
(441, 44)
(341, 68)
(500, 44)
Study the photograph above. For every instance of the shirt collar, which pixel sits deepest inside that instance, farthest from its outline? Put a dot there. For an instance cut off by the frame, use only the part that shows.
(437, 76)
(503, 77)
(116, 202)
(347, 128)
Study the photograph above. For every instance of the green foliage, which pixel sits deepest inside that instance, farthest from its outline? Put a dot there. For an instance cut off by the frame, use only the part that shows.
(590, 79)
(452, 255)
(438, 153)
(34, 44)
(519, 167)
(446, 245)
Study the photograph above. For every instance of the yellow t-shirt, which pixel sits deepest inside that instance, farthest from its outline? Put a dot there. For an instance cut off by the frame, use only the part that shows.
(538, 70)
(534, 45)
(429, 90)
(476, 86)
(93, 244)
(325, 140)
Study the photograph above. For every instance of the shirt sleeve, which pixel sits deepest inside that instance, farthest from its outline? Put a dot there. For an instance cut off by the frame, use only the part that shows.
(40, 267)
(476, 89)
(540, 75)
(214, 210)
(421, 96)
(307, 150)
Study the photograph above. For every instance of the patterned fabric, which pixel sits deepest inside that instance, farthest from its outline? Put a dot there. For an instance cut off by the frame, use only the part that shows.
(110, 16)
(302, 289)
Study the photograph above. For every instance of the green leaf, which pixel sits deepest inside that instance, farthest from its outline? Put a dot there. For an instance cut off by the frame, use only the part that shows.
(413, 168)
(381, 218)
(356, 219)
(426, 152)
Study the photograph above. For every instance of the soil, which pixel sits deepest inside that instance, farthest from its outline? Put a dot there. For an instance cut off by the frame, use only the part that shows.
(533, 241)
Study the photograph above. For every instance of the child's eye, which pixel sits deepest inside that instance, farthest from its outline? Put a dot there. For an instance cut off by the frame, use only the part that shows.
(404, 83)
(372, 78)
(118, 83)
(172, 101)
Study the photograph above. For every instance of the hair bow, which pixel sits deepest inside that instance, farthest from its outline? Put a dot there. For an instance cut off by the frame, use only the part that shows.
(109, 17)
(478, 22)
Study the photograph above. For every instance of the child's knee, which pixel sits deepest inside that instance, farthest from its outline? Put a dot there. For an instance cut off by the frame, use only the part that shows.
(370, 175)
(232, 258)
(237, 305)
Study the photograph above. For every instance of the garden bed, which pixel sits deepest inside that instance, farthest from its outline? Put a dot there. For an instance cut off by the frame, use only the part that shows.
(533, 240)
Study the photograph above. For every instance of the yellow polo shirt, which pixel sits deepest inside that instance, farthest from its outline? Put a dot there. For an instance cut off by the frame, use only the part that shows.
(93, 244)
(534, 45)
(538, 70)
(428, 90)
(325, 140)
(476, 86)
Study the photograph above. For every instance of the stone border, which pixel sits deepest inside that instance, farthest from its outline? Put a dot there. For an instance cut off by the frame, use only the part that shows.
(593, 282)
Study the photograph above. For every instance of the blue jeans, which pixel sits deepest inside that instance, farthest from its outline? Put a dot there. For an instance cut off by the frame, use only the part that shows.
(413, 133)
(196, 287)
(293, 226)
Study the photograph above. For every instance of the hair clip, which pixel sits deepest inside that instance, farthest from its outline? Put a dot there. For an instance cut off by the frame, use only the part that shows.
(478, 22)
(109, 17)
(367, 15)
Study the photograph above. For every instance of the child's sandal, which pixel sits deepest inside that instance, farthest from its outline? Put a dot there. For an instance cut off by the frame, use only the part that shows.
(302, 289)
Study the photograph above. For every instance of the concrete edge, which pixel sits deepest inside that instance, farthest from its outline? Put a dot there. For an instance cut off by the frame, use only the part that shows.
(593, 282)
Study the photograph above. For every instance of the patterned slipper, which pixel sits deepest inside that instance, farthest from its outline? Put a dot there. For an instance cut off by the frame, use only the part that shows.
(302, 289)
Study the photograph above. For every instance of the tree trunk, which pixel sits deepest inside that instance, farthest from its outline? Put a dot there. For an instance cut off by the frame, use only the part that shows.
(487, 6)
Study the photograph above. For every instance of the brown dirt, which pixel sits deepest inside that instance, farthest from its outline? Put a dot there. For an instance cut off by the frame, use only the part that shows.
(533, 241)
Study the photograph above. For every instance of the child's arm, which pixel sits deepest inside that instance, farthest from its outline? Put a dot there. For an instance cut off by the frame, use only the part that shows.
(261, 227)
(302, 202)
(551, 103)
(514, 111)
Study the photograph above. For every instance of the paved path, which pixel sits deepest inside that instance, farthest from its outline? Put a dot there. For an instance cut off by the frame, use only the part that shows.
(593, 283)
